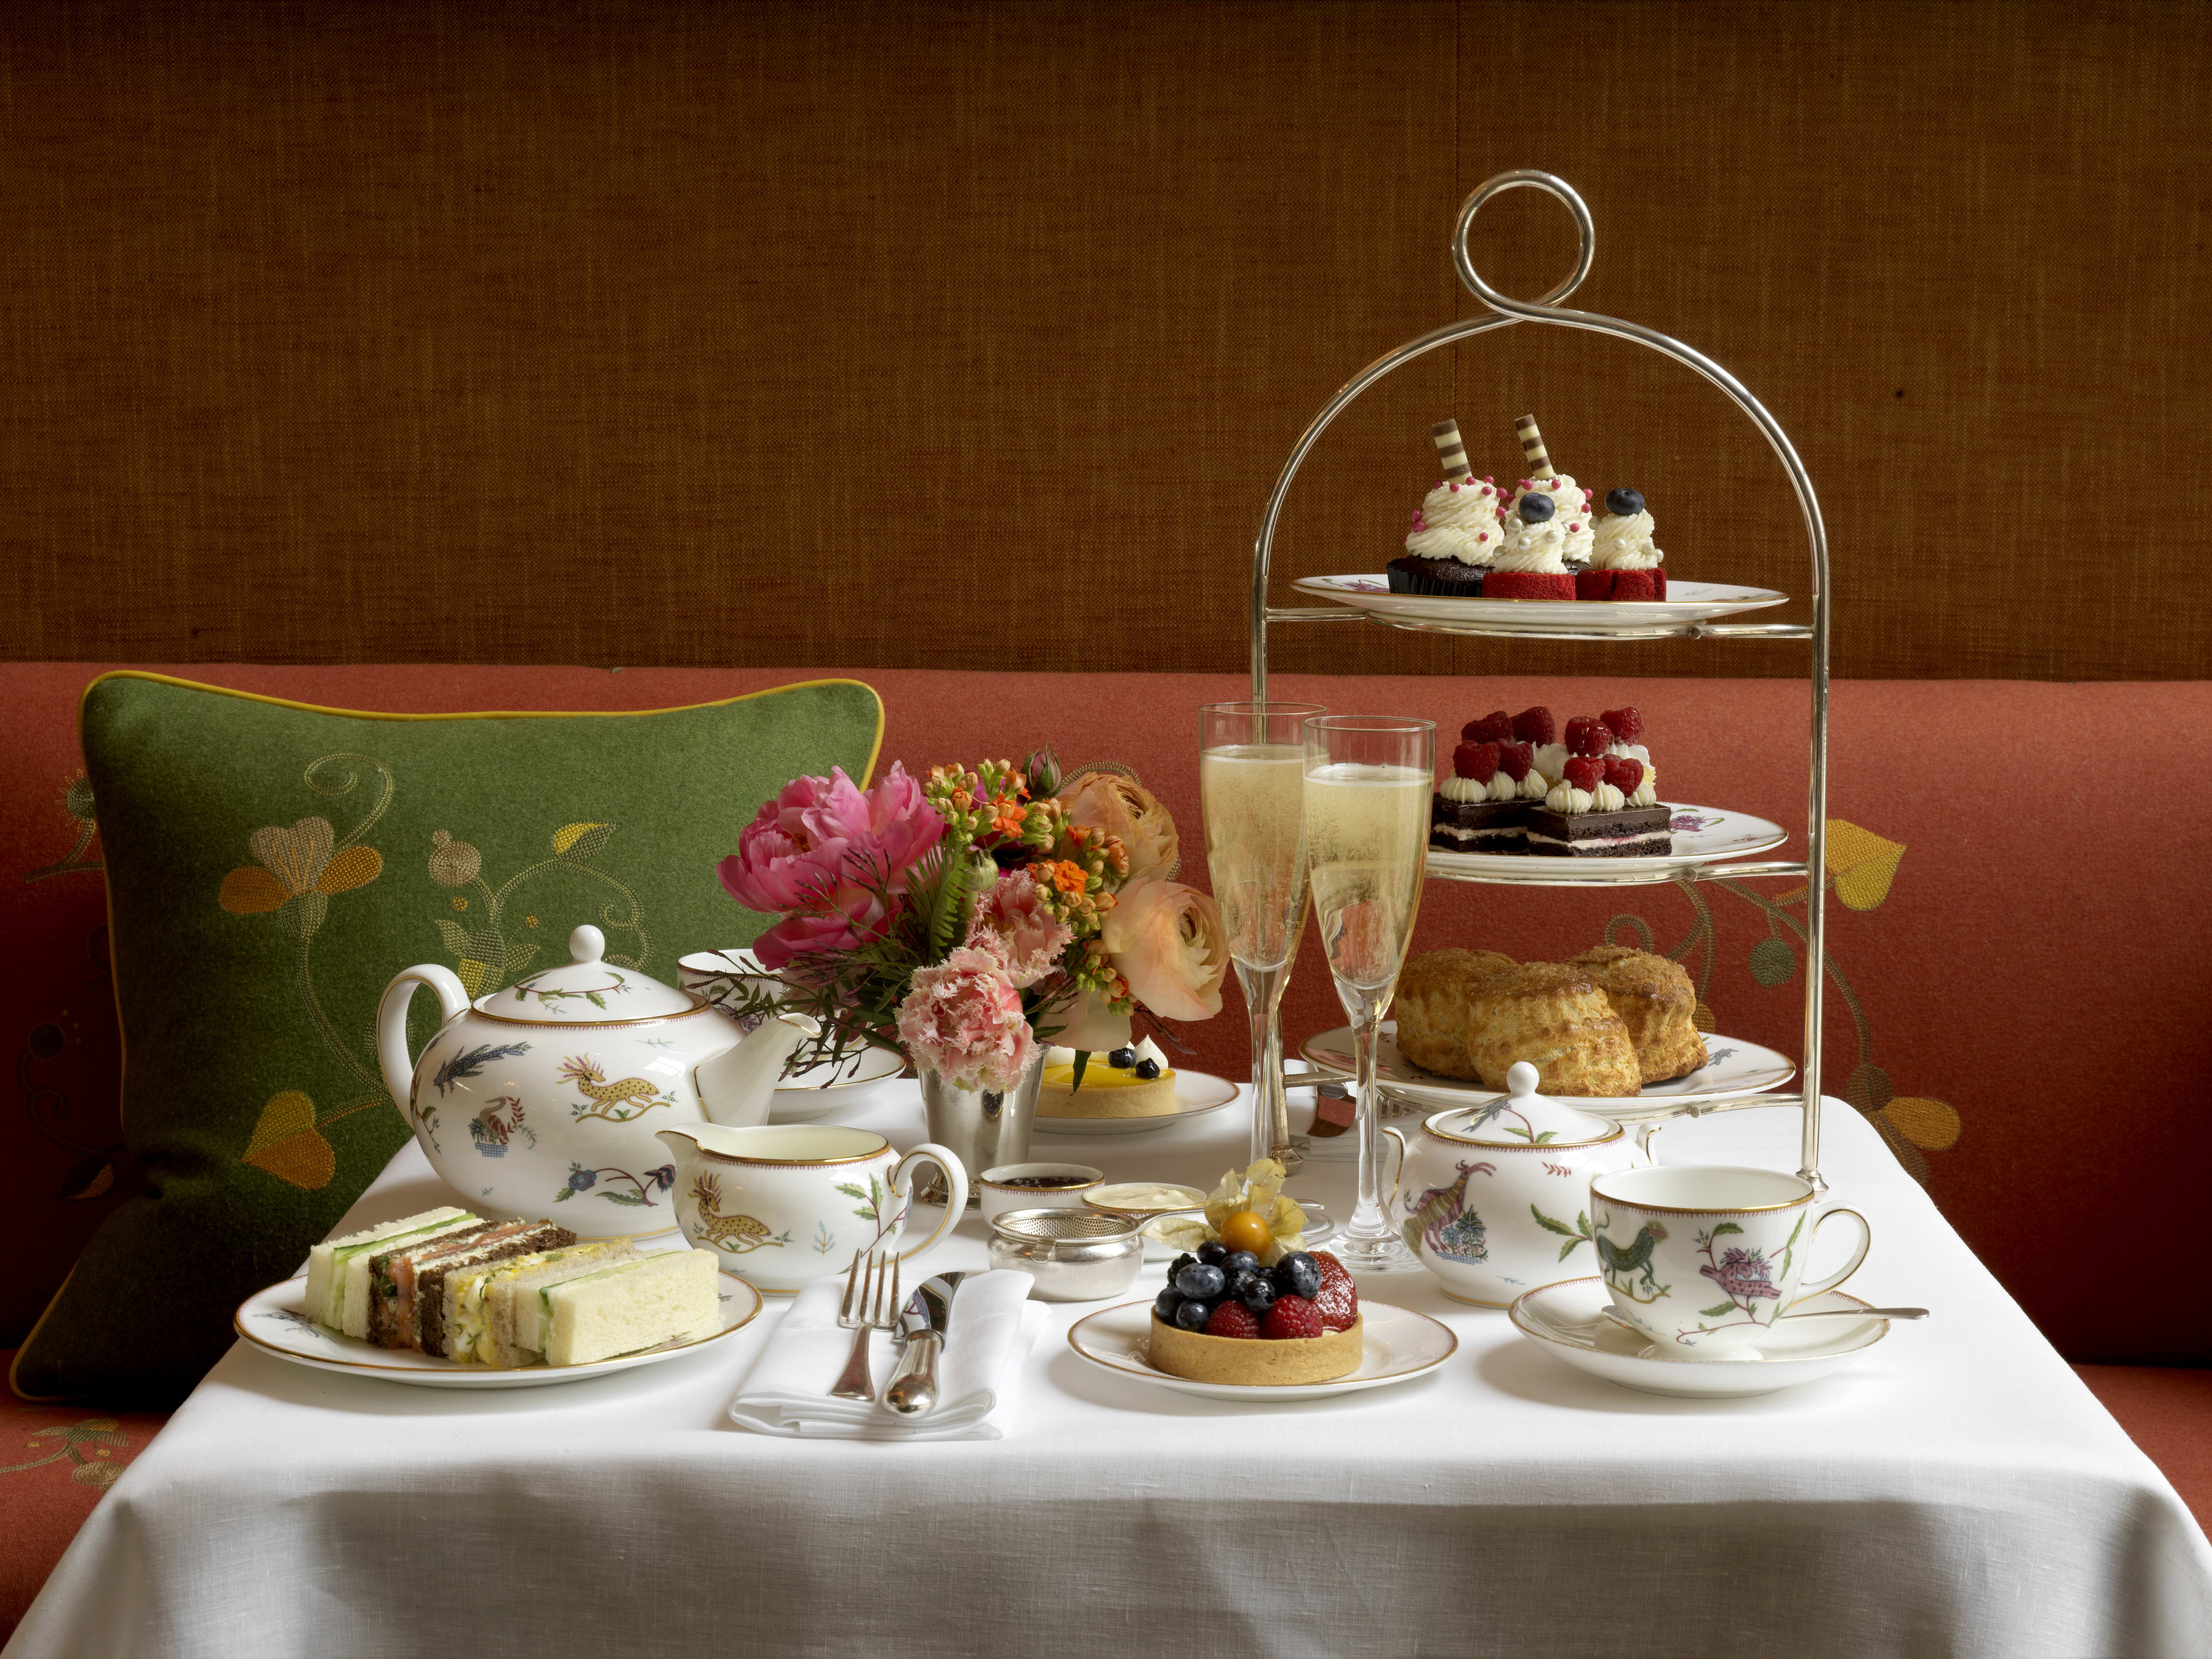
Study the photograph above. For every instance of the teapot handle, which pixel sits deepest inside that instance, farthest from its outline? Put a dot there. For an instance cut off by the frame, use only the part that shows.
(956, 1177)
(391, 1025)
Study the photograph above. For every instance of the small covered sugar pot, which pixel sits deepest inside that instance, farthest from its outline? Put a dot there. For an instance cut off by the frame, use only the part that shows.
(1494, 1199)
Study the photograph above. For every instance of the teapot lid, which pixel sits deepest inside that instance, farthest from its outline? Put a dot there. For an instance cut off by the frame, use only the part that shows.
(1522, 1117)
(586, 991)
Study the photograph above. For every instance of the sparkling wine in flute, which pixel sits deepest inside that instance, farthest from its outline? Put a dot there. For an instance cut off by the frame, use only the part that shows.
(1367, 830)
(1254, 795)
(1367, 833)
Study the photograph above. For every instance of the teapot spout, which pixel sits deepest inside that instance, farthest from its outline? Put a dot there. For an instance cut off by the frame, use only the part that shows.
(737, 1086)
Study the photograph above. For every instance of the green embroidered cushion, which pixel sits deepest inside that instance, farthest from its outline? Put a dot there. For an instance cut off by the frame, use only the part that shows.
(270, 867)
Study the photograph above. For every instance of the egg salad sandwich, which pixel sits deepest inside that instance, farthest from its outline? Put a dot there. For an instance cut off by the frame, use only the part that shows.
(475, 1294)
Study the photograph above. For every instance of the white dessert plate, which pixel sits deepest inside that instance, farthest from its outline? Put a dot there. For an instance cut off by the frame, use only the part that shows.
(1703, 835)
(1400, 1345)
(1733, 1067)
(820, 1090)
(1569, 1320)
(275, 1322)
(1196, 1093)
(1686, 602)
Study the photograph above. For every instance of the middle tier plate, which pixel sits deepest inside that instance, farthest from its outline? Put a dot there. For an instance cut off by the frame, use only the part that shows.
(1703, 835)
(1734, 1067)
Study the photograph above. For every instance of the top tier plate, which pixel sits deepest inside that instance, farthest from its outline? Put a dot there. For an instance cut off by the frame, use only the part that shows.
(1686, 605)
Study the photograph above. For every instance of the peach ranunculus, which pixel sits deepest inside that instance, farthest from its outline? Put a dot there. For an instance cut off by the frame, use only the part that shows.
(1167, 940)
(1121, 806)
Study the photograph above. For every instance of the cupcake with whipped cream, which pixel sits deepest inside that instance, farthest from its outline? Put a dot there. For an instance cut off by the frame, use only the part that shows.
(1531, 561)
(1624, 562)
(1454, 536)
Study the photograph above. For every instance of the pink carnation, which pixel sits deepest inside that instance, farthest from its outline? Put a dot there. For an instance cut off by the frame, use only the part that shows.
(820, 852)
(962, 1019)
(1013, 921)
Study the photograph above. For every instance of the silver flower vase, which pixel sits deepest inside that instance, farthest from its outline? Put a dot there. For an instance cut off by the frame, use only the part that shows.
(983, 1127)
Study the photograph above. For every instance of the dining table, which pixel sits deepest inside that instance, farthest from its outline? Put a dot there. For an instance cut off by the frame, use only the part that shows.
(1957, 1491)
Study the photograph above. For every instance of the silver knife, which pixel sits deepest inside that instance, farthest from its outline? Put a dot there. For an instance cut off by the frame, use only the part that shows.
(912, 1390)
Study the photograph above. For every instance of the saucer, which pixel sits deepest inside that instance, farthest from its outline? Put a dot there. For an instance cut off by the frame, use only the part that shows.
(1399, 1346)
(820, 1090)
(1568, 1319)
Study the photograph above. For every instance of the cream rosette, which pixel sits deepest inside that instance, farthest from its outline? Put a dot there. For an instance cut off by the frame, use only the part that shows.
(1259, 1189)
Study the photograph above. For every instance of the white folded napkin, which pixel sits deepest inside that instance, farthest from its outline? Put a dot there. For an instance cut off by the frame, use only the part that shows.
(992, 1328)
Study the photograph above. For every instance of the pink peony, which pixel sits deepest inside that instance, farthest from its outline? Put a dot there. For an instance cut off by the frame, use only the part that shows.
(1012, 921)
(962, 1019)
(1166, 940)
(820, 852)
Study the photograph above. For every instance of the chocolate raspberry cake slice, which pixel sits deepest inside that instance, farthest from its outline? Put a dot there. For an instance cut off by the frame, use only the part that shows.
(1606, 805)
(1484, 806)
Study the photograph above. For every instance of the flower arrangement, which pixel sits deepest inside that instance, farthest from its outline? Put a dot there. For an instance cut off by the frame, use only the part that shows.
(964, 919)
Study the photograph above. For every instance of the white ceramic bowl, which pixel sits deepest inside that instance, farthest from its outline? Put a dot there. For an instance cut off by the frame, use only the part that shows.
(999, 1196)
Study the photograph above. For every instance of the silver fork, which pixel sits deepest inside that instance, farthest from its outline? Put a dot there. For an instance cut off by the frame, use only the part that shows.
(872, 1304)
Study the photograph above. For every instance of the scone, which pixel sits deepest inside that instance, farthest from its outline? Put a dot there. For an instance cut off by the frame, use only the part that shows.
(1654, 999)
(1431, 1003)
(1558, 1019)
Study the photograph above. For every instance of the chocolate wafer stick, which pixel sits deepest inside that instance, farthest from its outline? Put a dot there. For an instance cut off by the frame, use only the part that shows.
(1532, 446)
(1446, 436)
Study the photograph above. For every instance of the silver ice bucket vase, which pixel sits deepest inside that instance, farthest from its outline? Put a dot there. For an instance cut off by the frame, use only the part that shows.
(984, 1127)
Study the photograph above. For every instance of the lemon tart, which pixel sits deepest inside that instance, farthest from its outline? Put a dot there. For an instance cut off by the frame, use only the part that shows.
(1142, 1085)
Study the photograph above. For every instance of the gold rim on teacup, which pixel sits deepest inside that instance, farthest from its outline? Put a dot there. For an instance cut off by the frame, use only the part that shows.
(1653, 1208)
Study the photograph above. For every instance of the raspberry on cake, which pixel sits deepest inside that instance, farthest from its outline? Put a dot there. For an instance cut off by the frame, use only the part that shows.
(1481, 807)
(1606, 803)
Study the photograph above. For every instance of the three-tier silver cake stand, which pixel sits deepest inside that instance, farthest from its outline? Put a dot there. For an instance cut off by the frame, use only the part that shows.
(1504, 312)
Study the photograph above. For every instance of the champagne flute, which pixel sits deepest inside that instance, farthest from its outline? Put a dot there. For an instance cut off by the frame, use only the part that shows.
(1251, 779)
(1367, 784)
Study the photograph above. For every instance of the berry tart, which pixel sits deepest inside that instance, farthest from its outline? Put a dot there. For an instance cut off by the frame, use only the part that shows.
(1247, 1303)
(1625, 563)
(1606, 803)
(1224, 1318)
(1126, 1082)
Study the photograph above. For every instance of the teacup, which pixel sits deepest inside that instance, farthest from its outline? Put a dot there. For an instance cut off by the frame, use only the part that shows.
(783, 1204)
(1703, 1259)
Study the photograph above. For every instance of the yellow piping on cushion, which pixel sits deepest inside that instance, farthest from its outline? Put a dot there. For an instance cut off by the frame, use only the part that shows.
(875, 749)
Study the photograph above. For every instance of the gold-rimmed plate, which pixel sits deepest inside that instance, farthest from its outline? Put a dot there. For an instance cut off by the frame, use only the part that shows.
(1399, 1346)
(275, 1322)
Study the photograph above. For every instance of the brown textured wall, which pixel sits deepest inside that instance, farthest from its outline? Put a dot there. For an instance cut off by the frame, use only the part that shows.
(966, 335)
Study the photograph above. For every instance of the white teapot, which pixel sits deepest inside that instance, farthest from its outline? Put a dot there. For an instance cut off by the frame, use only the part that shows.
(1495, 1198)
(543, 1098)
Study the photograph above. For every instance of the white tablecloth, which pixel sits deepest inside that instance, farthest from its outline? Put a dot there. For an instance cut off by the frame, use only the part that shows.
(1959, 1492)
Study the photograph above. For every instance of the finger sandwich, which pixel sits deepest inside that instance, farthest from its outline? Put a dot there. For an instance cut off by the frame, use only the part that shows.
(641, 1301)
(338, 1268)
(480, 1301)
(407, 1285)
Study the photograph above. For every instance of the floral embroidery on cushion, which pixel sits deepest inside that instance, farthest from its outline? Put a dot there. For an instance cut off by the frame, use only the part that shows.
(76, 803)
(1860, 866)
(85, 1446)
(294, 877)
(484, 958)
